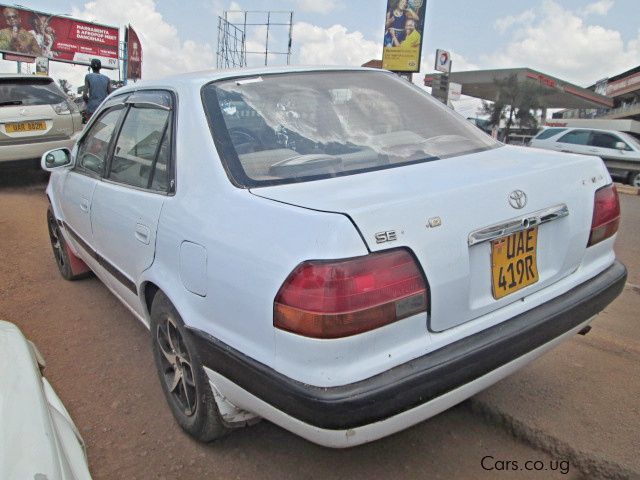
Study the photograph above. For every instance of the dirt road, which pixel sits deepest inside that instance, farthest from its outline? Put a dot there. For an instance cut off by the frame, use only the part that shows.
(99, 361)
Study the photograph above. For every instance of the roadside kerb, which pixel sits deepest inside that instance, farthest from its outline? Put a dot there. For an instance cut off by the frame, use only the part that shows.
(627, 189)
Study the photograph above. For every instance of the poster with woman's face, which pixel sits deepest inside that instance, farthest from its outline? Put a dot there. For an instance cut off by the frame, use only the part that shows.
(404, 24)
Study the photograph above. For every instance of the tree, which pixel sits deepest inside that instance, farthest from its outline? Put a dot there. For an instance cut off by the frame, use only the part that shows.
(516, 103)
(65, 85)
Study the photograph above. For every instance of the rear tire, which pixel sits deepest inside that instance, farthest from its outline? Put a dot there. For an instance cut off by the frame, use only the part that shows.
(184, 383)
(634, 179)
(61, 250)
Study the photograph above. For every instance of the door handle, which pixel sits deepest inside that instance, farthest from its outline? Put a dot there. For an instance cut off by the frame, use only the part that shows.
(84, 204)
(593, 150)
(143, 233)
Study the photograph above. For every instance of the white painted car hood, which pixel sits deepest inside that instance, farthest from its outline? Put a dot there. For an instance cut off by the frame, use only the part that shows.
(38, 439)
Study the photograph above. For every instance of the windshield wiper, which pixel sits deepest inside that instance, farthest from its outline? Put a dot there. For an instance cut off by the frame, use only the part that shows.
(11, 102)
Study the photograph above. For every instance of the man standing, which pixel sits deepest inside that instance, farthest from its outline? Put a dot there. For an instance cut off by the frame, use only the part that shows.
(96, 88)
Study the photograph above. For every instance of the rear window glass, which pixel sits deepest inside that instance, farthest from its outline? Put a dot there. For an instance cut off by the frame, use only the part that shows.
(548, 133)
(296, 127)
(29, 92)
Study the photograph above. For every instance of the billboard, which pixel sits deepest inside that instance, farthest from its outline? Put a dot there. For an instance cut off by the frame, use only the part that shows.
(134, 54)
(404, 23)
(35, 34)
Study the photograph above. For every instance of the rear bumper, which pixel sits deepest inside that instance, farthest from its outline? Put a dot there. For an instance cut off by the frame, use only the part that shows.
(443, 377)
(17, 154)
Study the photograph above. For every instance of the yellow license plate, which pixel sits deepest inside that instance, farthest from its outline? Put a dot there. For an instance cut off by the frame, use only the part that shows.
(25, 126)
(513, 262)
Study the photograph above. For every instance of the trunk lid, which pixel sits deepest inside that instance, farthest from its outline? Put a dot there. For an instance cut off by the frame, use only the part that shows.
(466, 193)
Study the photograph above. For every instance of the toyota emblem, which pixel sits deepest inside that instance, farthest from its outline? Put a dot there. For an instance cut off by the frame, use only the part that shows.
(518, 199)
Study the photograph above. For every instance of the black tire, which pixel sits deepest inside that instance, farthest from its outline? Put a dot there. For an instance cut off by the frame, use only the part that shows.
(59, 247)
(191, 400)
(634, 179)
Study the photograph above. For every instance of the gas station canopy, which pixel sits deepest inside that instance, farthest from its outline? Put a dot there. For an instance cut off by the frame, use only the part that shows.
(558, 93)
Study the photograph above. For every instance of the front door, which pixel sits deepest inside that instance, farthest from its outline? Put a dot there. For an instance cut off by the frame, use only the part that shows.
(80, 183)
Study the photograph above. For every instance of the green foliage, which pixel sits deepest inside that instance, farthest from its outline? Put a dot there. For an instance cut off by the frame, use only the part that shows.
(516, 103)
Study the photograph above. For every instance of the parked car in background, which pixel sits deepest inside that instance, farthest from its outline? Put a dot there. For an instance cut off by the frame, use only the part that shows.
(38, 439)
(35, 116)
(330, 249)
(619, 150)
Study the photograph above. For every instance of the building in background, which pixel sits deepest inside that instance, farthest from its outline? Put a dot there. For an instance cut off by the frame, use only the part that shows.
(623, 89)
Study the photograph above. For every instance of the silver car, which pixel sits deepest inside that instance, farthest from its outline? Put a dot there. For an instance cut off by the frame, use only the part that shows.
(35, 116)
(619, 150)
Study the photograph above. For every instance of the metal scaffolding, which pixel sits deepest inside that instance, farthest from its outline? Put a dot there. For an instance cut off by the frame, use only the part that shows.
(237, 28)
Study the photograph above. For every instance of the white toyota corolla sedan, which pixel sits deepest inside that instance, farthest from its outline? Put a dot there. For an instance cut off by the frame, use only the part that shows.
(329, 249)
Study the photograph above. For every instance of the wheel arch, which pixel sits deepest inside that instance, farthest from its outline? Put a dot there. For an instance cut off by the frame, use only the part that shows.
(148, 291)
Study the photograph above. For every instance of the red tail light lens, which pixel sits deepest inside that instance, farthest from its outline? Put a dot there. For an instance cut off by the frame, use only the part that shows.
(606, 214)
(334, 299)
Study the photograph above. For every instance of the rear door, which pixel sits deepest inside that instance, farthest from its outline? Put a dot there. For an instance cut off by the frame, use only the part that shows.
(79, 184)
(574, 141)
(127, 203)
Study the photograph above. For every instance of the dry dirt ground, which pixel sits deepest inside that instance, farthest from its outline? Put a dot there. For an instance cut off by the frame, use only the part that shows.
(99, 361)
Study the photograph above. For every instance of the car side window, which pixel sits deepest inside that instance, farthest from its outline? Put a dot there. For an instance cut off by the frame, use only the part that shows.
(139, 157)
(548, 133)
(94, 147)
(577, 137)
(160, 174)
(604, 140)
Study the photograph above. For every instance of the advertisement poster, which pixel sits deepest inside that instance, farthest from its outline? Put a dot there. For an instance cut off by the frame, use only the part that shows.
(42, 66)
(62, 39)
(134, 54)
(443, 61)
(404, 24)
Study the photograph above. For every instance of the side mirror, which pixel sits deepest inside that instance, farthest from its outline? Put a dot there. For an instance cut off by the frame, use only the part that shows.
(53, 159)
(621, 146)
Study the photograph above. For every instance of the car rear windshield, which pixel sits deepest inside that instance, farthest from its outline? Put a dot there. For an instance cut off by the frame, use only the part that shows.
(28, 92)
(548, 133)
(296, 127)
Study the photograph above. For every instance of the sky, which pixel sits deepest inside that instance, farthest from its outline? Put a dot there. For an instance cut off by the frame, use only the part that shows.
(578, 41)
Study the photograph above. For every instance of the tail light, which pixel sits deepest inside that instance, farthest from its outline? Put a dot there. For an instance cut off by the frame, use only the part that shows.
(606, 214)
(63, 108)
(332, 299)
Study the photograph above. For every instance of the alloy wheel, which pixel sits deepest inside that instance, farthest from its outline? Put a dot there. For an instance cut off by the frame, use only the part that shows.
(177, 366)
(56, 242)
